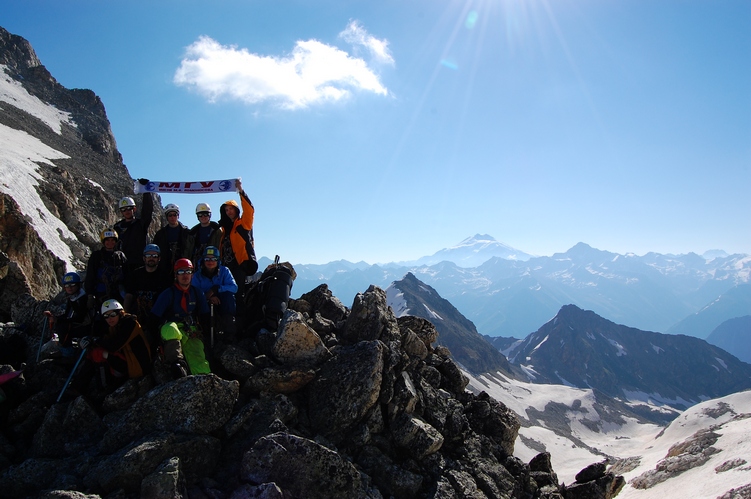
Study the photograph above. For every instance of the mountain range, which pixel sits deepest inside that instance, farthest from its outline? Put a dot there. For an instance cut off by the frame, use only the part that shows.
(511, 298)
(650, 375)
(471, 252)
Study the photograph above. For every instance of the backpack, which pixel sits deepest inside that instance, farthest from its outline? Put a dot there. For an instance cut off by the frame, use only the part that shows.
(267, 299)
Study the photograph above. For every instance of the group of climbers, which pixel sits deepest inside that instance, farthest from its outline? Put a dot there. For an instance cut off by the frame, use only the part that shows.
(140, 297)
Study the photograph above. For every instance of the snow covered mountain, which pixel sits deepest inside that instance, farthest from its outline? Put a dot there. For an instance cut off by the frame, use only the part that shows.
(513, 297)
(579, 348)
(703, 453)
(60, 173)
(472, 252)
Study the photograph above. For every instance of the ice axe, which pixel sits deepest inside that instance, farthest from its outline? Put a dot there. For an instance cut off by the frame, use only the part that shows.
(41, 338)
(72, 372)
(212, 325)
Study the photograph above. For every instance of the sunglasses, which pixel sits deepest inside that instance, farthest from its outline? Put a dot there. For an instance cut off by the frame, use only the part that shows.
(204, 214)
(183, 271)
(211, 259)
(151, 255)
(171, 214)
(123, 210)
(109, 315)
(70, 285)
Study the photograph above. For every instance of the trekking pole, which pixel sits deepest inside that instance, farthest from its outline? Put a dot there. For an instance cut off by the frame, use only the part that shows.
(212, 326)
(72, 372)
(41, 338)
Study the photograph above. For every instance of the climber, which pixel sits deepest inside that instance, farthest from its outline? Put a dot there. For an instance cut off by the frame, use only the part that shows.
(117, 347)
(75, 321)
(133, 233)
(105, 272)
(203, 234)
(216, 283)
(184, 314)
(173, 239)
(236, 243)
(143, 286)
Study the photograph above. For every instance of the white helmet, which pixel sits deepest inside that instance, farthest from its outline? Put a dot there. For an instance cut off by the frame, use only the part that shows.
(172, 207)
(201, 207)
(126, 202)
(111, 305)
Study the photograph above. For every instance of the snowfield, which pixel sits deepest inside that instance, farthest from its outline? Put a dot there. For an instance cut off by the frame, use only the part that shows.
(722, 456)
(19, 174)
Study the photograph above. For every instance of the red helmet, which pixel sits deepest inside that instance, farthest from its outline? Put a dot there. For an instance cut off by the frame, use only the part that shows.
(183, 263)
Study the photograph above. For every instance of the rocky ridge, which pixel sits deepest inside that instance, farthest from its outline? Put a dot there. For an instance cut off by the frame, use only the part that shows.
(343, 402)
(72, 194)
(410, 296)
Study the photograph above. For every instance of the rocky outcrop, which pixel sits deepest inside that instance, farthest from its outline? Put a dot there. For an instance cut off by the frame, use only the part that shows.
(66, 179)
(690, 453)
(410, 296)
(346, 403)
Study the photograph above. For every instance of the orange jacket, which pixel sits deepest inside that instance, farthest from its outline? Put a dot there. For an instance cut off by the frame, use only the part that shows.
(240, 234)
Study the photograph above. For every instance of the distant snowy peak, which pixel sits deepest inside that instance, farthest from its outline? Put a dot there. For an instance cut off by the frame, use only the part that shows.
(714, 253)
(474, 251)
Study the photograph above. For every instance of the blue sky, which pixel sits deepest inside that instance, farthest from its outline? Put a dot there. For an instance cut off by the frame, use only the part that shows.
(385, 131)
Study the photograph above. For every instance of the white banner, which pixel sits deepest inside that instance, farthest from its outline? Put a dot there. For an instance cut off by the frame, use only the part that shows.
(198, 187)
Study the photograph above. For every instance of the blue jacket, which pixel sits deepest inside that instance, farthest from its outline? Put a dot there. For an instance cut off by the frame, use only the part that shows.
(221, 282)
(168, 306)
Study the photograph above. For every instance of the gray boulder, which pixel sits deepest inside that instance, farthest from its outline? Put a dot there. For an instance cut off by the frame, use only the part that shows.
(194, 404)
(303, 468)
(167, 482)
(127, 468)
(346, 388)
(297, 344)
(371, 318)
(324, 302)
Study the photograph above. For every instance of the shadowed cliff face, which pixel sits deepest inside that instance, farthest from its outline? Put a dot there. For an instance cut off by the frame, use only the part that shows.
(61, 175)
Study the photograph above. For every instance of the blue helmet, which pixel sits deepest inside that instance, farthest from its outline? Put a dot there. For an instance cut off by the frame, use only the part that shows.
(211, 251)
(151, 248)
(71, 278)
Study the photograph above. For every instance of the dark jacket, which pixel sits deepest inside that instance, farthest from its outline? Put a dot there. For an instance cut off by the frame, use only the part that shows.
(75, 321)
(196, 247)
(171, 252)
(126, 338)
(134, 235)
(105, 274)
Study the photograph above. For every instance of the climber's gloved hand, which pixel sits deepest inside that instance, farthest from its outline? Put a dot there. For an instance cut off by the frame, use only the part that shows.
(85, 343)
(143, 181)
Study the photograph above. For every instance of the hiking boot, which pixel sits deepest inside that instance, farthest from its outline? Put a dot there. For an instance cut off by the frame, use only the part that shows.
(179, 370)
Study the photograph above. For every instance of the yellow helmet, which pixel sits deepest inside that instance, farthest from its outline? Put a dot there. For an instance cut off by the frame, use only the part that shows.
(106, 234)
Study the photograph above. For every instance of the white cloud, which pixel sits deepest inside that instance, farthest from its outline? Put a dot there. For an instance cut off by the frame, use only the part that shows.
(355, 34)
(314, 72)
